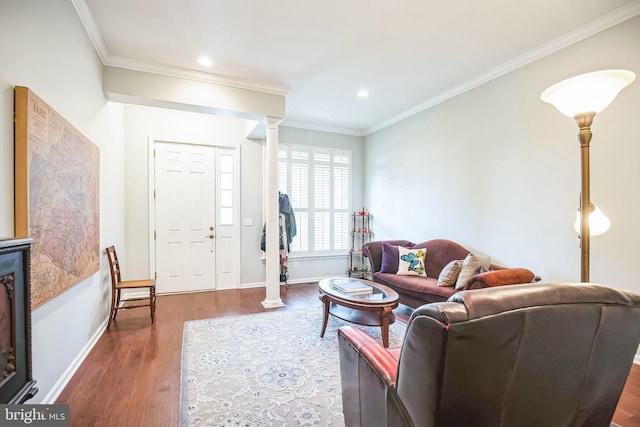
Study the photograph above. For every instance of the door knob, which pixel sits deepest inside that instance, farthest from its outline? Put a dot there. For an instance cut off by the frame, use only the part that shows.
(211, 236)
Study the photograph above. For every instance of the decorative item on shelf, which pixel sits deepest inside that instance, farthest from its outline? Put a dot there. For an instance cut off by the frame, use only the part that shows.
(582, 97)
(360, 234)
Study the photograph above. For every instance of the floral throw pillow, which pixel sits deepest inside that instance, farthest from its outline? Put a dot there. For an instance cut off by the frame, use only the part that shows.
(411, 261)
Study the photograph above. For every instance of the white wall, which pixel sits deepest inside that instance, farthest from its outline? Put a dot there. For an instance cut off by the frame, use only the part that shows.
(498, 170)
(43, 46)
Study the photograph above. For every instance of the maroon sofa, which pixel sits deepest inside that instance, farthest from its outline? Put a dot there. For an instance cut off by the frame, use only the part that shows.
(415, 291)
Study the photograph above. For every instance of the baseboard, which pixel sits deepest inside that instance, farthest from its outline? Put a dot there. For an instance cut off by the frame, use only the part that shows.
(64, 379)
(289, 282)
(636, 359)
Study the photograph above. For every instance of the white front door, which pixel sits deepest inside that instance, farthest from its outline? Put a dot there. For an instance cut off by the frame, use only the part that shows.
(185, 209)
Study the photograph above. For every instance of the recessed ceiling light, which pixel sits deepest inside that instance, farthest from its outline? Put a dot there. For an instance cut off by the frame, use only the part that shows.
(363, 94)
(205, 61)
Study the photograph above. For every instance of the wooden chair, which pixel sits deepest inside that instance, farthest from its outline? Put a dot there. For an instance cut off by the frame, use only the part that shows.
(117, 285)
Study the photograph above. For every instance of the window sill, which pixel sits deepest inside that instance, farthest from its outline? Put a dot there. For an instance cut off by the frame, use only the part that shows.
(312, 257)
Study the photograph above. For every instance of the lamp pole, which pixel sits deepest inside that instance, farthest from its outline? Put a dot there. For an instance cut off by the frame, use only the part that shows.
(581, 97)
(584, 136)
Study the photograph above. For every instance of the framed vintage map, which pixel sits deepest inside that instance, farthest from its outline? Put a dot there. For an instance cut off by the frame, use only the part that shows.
(57, 190)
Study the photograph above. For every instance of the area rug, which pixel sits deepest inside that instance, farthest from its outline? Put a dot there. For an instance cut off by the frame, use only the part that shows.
(266, 369)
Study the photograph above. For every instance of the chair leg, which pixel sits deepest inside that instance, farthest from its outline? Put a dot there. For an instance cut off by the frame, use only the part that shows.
(117, 306)
(152, 303)
(113, 307)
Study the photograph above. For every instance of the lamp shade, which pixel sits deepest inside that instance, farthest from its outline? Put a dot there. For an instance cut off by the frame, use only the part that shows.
(598, 222)
(591, 92)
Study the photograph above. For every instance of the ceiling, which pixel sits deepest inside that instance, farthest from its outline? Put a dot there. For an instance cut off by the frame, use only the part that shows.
(408, 54)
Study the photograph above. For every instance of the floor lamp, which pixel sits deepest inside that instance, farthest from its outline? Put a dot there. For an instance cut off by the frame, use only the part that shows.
(582, 97)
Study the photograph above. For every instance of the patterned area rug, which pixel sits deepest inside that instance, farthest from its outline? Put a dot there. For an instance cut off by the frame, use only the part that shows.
(266, 369)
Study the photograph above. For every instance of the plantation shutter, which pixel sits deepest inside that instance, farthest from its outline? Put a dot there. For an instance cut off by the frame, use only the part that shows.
(318, 183)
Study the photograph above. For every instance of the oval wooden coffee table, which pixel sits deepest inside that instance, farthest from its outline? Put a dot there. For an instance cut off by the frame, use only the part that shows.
(367, 309)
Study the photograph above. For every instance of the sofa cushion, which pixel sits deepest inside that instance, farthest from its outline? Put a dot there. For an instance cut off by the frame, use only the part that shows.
(390, 258)
(469, 266)
(449, 274)
(500, 277)
(411, 262)
(425, 287)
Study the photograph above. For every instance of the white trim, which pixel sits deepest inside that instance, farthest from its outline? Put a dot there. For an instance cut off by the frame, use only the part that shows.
(236, 152)
(323, 128)
(130, 64)
(617, 16)
(66, 376)
(217, 79)
(636, 359)
(289, 282)
(91, 27)
(151, 183)
(292, 257)
(276, 303)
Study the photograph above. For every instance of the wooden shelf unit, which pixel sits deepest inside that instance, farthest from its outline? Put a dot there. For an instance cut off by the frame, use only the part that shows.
(360, 234)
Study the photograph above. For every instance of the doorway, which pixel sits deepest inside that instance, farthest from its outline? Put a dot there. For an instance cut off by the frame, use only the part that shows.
(195, 216)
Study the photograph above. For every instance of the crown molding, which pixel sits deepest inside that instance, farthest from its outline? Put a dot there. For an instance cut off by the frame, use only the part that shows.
(629, 11)
(322, 128)
(116, 61)
(164, 70)
(90, 26)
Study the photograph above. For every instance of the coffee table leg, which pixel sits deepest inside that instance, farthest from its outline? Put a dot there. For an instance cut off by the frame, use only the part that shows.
(325, 301)
(385, 319)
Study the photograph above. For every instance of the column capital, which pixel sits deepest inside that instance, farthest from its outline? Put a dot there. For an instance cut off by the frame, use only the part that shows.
(272, 122)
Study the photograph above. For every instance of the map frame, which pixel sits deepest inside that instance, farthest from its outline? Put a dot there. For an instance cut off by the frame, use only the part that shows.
(56, 198)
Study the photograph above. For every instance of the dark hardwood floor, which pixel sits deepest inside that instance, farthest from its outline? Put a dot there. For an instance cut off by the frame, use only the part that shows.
(131, 378)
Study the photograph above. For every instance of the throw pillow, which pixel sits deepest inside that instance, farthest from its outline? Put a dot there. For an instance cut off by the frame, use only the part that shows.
(390, 258)
(411, 262)
(469, 266)
(480, 270)
(450, 272)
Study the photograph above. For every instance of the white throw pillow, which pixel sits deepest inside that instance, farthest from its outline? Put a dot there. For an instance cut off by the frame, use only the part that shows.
(469, 266)
(411, 262)
(450, 272)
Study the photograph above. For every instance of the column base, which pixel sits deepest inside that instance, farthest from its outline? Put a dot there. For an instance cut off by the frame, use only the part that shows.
(272, 303)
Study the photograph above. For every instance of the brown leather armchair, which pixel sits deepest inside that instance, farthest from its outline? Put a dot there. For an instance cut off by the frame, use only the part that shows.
(554, 354)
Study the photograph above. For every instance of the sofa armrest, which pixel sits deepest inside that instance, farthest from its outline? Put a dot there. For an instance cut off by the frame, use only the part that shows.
(382, 361)
(501, 277)
(373, 252)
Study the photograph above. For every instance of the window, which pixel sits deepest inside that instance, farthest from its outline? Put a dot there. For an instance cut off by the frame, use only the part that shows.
(225, 195)
(318, 183)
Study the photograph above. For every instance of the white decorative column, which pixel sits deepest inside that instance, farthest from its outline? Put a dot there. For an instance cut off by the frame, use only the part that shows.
(272, 298)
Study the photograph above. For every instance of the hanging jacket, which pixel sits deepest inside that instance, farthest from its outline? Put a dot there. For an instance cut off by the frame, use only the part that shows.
(290, 219)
